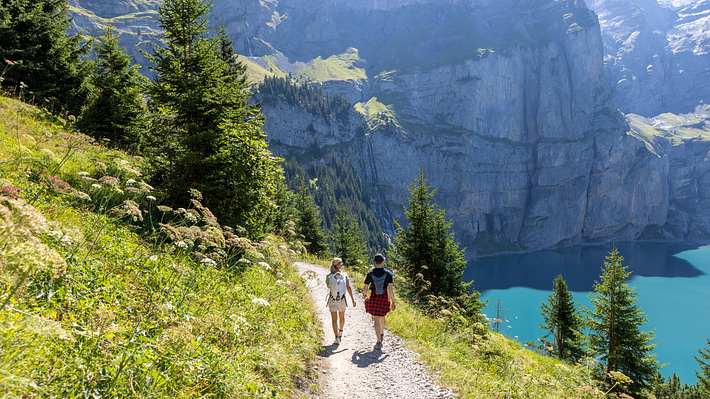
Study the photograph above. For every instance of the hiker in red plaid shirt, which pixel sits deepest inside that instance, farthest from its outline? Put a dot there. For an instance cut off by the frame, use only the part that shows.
(379, 296)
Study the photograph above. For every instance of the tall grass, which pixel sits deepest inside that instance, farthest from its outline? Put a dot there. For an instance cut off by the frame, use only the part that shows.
(97, 303)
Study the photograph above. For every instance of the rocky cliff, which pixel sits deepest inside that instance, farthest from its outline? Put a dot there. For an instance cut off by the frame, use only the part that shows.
(657, 53)
(504, 104)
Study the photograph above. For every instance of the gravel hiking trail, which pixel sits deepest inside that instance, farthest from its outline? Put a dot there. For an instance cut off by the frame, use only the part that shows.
(354, 369)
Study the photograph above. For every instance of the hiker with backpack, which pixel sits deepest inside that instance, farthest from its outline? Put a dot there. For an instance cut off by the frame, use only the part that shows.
(379, 296)
(338, 284)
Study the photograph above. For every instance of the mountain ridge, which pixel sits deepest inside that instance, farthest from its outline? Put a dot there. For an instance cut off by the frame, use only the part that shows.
(514, 122)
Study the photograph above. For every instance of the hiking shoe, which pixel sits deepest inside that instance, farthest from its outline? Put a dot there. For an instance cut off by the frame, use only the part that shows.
(337, 341)
(378, 346)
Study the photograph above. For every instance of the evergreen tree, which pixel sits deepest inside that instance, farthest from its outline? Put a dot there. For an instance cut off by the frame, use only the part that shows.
(419, 244)
(563, 322)
(309, 223)
(207, 134)
(285, 214)
(615, 325)
(704, 374)
(672, 388)
(115, 106)
(33, 34)
(425, 248)
(348, 241)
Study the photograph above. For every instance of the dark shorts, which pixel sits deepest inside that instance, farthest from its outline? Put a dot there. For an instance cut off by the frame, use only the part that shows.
(378, 305)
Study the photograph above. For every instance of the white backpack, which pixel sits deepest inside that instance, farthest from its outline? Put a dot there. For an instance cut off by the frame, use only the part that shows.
(338, 285)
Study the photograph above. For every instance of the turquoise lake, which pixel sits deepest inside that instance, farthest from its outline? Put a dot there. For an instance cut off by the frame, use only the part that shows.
(672, 282)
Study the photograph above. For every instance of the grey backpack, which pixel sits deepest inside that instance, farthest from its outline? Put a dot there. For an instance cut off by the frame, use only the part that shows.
(379, 282)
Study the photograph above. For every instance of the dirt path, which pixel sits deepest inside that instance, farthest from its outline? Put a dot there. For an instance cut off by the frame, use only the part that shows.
(354, 369)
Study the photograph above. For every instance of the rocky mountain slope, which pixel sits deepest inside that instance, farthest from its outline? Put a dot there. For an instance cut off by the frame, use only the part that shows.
(657, 53)
(505, 105)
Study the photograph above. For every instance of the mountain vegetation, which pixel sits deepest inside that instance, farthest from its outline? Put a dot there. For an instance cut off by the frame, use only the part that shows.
(106, 292)
(348, 240)
(309, 224)
(115, 107)
(337, 184)
(42, 63)
(426, 252)
(306, 94)
(615, 325)
(563, 322)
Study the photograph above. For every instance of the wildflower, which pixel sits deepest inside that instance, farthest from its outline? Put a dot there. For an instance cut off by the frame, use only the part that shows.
(260, 302)
(151, 198)
(265, 266)
(129, 209)
(130, 182)
(81, 195)
(165, 209)
(9, 62)
(195, 194)
(83, 173)
(153, 258)
(58, 185)
(145, 187)
(181, 244)
(9, 190)
(23, 85)
(109, 181)
(208, 262)
(48, 153)
(96, 186)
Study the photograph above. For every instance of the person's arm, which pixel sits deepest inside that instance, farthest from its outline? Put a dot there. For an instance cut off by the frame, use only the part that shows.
(350, 291)
(390, 294)
(367, 287)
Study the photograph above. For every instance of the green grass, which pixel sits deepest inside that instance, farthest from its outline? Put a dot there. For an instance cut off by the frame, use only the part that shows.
(377, 114)
(491, 367)
(340, 67)
(92, 308)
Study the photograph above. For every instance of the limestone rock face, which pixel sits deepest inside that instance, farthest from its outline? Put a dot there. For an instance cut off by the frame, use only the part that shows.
(505, 105)
(657, 53)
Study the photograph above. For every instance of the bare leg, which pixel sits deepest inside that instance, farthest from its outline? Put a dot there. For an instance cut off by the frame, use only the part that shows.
(334, 322)
(379, 327)
(342, 323)
(374, 324)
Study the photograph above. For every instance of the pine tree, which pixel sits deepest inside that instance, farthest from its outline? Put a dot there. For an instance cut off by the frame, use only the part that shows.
(207, 134)
(425, 248)
(33, 35)
(563, 322)
(348, 241)
(115, 107)
(309, 224)
(615, 325)
(704, 374)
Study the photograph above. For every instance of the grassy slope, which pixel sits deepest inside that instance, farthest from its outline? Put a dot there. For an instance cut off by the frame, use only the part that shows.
(336, 67)
(103, 311)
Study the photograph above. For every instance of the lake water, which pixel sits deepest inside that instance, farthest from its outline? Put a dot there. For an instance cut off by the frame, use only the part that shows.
(672, 282)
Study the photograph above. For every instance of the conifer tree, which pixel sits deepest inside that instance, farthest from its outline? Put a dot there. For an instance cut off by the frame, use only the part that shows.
(704, 374)
(426, 246)
(33, 35)
(348, 241)
(615, 325)
(207, 134)
(309, 222)
(563, 322)
(115, 107)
